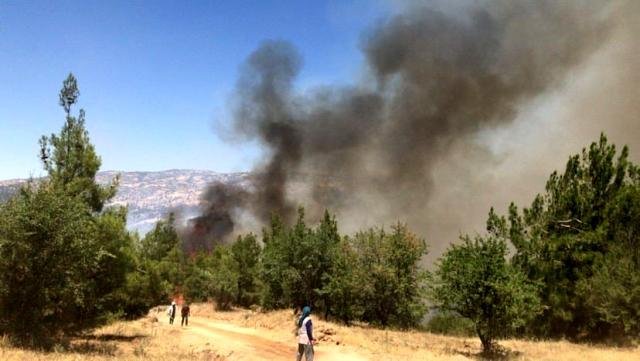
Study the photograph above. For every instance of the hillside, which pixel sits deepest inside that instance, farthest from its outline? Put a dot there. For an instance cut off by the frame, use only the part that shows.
(249, 335)
(151, 195)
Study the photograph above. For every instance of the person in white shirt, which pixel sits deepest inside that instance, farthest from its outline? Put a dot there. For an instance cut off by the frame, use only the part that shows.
(305, 335)
(171, 312)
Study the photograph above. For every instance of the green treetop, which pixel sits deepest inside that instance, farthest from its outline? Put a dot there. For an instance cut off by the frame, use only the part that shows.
(70, 159)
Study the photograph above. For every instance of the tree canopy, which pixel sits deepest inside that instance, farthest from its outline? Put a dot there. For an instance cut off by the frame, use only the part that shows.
(63, 257)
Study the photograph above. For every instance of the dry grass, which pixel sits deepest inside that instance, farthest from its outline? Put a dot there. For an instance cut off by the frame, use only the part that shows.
(143, 339)
(414, 345)
(148, 340)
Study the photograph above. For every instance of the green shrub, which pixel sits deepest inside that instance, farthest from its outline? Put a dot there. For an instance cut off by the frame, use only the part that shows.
(449, 323)
(475, 281)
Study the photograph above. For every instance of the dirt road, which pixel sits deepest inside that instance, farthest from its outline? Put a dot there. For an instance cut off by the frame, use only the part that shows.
(250, 335)
(242, 343)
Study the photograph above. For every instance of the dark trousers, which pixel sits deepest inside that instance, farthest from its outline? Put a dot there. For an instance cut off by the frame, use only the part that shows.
(171, 320)
(185, 321)
(306, 351)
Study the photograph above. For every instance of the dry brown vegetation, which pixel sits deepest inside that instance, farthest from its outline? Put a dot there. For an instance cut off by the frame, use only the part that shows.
(376, 344)
(144, 339)
(252, 335)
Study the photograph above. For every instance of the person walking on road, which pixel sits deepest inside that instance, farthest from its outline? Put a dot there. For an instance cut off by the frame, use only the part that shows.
(305, 335)
(185, 311)
(171, 311)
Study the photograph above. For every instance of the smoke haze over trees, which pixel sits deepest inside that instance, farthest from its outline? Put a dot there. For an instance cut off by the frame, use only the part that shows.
(449, 101)
(437, 82)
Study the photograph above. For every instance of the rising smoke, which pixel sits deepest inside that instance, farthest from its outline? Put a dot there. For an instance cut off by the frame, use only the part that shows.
(436, 77)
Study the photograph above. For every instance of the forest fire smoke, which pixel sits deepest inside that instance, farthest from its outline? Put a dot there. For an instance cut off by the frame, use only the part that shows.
(367, 151)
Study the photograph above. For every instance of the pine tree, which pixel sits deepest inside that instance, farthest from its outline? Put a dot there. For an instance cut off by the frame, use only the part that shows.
(69, 157)
(246, 253)
(579, 241)
(63, 258)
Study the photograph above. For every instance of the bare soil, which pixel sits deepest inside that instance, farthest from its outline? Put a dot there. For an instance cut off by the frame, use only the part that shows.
(251, 335)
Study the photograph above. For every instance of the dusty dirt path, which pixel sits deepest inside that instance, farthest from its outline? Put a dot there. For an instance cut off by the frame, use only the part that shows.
(243, 343)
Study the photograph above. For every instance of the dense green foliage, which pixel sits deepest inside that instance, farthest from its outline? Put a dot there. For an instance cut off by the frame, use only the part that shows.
(46, 249)
(475, 281)
(296, 263)
(374, 276)
(225, 278)
(159, 269)
(377, 278)
(63, 259)
(575, 267)
(161, 240)
(246, 254)
(580, 242)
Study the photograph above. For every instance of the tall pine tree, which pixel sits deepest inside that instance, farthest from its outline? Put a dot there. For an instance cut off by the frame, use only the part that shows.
(63, 257)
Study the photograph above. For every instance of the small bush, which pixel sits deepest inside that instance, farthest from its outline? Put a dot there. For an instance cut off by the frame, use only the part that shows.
(448, 323)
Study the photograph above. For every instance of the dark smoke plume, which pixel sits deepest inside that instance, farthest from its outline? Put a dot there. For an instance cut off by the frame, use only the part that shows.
(220, 205)
(435, 77)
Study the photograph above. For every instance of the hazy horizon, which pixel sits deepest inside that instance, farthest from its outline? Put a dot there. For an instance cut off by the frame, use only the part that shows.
(155, 80)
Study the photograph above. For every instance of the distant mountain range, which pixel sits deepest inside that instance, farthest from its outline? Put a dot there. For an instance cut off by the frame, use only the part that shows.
(152, 195)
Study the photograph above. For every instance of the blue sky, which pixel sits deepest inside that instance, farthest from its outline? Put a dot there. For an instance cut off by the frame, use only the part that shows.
(155, 76)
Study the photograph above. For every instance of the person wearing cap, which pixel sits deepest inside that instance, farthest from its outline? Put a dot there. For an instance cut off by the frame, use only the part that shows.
(305, 335)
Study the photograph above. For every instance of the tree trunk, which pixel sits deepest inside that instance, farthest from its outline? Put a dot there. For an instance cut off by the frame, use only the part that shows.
(485, 339)
(487, 345)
